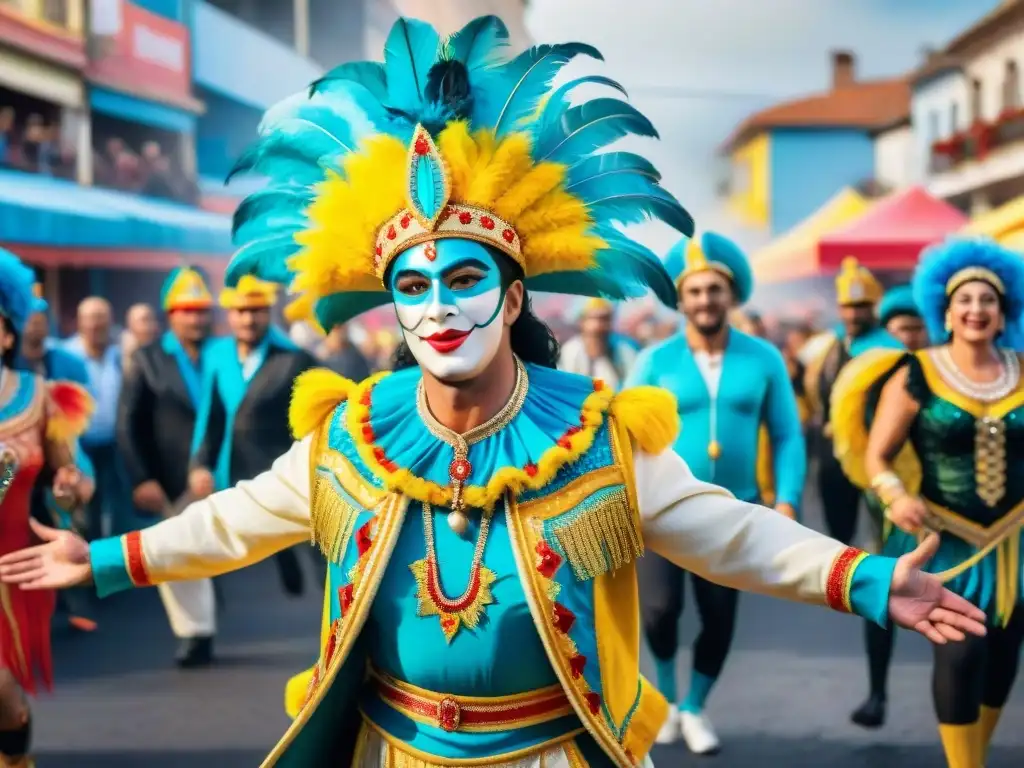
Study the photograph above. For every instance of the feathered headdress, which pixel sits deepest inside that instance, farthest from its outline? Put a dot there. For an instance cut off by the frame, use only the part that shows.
(944, 268)
(450, 138)
(17, 290)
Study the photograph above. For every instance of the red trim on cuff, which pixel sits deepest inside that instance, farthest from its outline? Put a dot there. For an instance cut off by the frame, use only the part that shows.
(136, 562)
(840, 579)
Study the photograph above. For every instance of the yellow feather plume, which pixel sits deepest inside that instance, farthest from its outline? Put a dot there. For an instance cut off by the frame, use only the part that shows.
(316, 394)
(649, 415)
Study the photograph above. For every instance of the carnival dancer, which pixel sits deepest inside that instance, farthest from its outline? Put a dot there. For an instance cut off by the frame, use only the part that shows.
(899, 315)
(156, 418)
(858, 294)
(482, 512)
(596, 351)
(725, 382)
(242, 423)
(39, 422)
(944, 453)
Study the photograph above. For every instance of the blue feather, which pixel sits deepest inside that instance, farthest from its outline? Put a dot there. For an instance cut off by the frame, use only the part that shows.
(269, 224)
(409, 53)
(269, 201)
(558, 102)
(631, 262)
(341, 307)
(264, 257)
(608, 166)
(514, 91)
(631, 199)
(585, 283)
(588, 128)
(368, 74)
(17, 298)
(480, 44)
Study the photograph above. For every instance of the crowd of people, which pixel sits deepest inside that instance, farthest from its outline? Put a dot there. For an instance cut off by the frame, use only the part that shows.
(29, 143)
(554, 482)
(148, 171)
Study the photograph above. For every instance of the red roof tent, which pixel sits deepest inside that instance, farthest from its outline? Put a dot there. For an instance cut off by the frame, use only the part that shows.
(892, 233)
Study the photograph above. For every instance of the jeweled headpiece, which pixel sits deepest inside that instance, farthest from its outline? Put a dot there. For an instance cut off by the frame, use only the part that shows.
(856, 285)
(450, 139)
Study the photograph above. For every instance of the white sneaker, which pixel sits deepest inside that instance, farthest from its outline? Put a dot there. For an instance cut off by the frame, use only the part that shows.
(669, 733)
(699, 735)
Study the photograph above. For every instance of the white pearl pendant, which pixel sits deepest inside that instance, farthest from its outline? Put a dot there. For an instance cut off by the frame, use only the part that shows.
(458, 522)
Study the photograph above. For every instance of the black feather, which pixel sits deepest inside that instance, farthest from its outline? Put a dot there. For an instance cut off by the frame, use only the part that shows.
(448, 86)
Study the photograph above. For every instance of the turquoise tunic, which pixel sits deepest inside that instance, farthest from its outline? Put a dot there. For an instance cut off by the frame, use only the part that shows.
(754, 389)
(943, 436)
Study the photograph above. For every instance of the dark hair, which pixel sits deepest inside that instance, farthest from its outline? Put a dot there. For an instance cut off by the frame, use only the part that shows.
(10, 355)
(532, 341)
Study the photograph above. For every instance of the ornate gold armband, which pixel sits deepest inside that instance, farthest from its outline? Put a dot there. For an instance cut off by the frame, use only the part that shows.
(888, 487)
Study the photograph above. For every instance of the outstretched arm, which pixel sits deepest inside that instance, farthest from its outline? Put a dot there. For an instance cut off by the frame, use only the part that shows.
(704, 529)
(224, 532)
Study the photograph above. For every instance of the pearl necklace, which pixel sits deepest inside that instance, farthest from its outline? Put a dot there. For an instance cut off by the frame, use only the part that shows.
(983, 391)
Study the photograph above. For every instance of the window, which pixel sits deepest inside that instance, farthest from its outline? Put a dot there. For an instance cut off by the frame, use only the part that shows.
(954, 118)
(1011, 86)
(975, 100)
(933, 127)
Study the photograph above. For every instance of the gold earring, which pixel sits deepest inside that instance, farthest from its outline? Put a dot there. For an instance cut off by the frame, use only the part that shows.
(949, 323)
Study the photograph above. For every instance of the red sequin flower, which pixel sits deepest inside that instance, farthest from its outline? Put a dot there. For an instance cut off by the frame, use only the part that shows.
(459, 470)
(465, 217)
(549, 560)
(564, 618)
(487, 222)
(509, 235)
(421, 146)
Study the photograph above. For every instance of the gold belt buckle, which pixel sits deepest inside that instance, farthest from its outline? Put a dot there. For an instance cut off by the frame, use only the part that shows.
(449, 714)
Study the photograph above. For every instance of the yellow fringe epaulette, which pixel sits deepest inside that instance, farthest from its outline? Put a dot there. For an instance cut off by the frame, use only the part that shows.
(858, 380)
(316, 394)
(649, 415)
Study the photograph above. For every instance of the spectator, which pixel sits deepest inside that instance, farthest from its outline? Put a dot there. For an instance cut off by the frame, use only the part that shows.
(596, 351)
(6, 135)
(141, 328)
(33, 142)
(102, 358)
(342, 356)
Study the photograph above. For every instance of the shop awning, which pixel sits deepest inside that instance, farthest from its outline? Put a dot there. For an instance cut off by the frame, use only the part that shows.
(1004, 224)
(794, 255)
(892, 234)
(53, 213)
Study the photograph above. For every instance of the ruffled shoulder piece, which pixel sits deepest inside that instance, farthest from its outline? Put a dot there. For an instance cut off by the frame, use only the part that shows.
(854, 398)
(556, 424)
(649, 415)
(315, 395)
(69, 407)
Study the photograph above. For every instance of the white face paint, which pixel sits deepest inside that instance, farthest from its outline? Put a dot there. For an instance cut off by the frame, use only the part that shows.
(450, 304)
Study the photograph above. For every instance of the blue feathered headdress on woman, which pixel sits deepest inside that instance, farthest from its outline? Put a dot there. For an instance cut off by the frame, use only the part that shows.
(944, 268)
(17, 291)
(450, 138)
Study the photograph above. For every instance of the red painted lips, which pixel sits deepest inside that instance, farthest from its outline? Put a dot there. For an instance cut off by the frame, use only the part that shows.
(448, 341)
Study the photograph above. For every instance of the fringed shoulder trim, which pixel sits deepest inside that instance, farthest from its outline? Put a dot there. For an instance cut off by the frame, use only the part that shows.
(854, 396)
(649, 415)
(69, 408)
(317, 392)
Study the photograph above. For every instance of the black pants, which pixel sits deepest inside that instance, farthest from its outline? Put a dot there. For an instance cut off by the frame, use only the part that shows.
(840, 499)
(662, 598)
(978, 671)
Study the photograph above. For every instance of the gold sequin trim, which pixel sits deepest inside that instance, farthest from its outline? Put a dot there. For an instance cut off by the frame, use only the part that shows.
(990, 459)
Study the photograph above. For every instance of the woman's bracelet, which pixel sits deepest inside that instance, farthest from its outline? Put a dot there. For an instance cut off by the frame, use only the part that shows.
(888, 487)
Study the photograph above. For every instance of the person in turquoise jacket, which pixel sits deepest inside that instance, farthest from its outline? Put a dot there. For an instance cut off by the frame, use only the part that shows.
(727, 383)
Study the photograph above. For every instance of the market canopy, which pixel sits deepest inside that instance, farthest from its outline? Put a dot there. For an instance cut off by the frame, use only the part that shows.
(794, 255)
(1004, 224)
(893, 233)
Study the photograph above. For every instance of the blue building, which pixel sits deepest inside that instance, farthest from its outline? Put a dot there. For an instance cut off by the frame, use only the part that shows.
(789, 159)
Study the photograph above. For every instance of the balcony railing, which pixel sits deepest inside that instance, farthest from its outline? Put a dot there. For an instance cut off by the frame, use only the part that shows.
(978, 141)
(66, 15)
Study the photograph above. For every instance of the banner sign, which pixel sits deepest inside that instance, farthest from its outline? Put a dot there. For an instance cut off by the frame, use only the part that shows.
(140, 52)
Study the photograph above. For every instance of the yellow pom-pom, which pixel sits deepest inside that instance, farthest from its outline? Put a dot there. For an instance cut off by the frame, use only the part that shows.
(649, 415)
(316, 394)
(295, 692)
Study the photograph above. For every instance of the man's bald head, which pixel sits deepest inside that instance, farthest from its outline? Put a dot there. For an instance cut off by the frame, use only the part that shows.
(94, 318)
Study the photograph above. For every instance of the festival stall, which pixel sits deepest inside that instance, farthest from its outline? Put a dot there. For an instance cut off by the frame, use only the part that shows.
(1004, 224)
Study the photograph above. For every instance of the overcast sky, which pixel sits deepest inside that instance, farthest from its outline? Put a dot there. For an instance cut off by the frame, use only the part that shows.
(745, 55)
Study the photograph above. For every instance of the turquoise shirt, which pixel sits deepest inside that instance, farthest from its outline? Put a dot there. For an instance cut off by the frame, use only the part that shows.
(754, 389)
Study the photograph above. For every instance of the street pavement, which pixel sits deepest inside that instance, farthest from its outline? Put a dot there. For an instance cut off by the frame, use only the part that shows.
(783, 701)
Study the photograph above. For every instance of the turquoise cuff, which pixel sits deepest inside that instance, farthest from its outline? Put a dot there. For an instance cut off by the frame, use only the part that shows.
(109, 570)
(869, 588)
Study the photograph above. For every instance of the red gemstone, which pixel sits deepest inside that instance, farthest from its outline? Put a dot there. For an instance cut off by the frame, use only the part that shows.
(576, 665)
(530, 470)
(594, 702)
(465, 217)
(598, 385)
(368, 435)
(449, 714)
(459, 469)
(421, 146)
(405, 221)
(487, 222)
(430, 252)
(564, 443)
(509, 235)
(378, 454)
(345, 598)
(389, 466)
(363, 540)
(392, 234)
(380, 250)
(365, 399)
(564, 618)
(549, 560)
